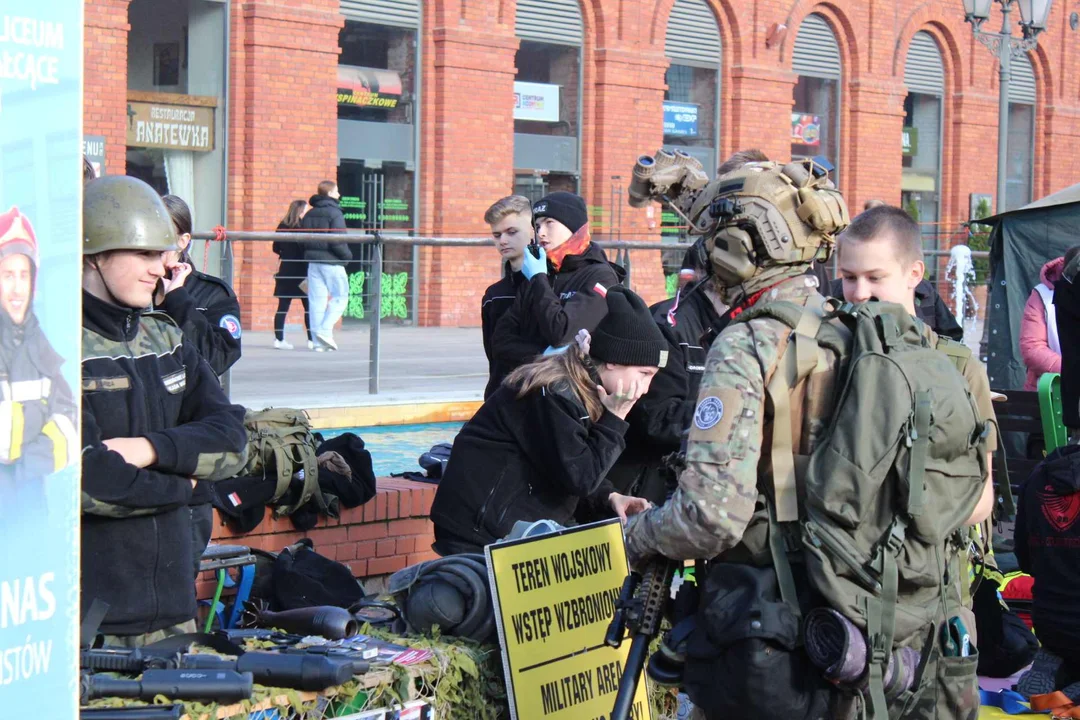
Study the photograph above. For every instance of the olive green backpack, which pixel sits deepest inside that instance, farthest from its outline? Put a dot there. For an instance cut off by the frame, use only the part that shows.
(897, 472)
(281, 442)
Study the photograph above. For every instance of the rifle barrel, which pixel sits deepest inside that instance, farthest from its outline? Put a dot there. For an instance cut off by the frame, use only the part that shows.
(635, 663)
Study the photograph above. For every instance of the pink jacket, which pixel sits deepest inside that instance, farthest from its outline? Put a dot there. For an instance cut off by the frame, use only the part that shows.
(1034, 348)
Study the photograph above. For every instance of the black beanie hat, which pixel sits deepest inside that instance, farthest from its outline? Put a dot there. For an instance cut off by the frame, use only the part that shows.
(628, 335)
(567, 208)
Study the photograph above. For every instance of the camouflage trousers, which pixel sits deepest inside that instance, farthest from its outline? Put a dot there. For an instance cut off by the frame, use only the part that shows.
(134, 641)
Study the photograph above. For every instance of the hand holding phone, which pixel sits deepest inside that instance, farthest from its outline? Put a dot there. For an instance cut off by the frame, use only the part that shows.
(175, 275)
(535, 261)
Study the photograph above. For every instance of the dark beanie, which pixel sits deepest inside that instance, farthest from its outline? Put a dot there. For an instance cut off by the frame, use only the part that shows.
(567, 208)
(628, 335)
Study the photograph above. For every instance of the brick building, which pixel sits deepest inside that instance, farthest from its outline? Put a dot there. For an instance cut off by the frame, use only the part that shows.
(425, 112)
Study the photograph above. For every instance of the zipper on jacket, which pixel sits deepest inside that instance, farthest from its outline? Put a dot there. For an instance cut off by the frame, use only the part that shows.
(483, 508)
(154, 576)
(823, 538)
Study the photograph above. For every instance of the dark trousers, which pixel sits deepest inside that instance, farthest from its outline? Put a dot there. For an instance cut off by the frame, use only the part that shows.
(202, 527)
(283, 310)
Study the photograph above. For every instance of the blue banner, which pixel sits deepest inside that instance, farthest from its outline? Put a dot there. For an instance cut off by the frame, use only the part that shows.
(680, 119)
(40, 224)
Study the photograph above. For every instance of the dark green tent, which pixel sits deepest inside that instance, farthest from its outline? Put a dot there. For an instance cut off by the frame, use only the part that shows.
(1022, 241)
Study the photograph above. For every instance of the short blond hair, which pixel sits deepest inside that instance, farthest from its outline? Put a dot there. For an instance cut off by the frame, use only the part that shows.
(509, 205)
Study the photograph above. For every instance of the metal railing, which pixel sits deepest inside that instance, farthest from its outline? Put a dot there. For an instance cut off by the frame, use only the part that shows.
(369, 302)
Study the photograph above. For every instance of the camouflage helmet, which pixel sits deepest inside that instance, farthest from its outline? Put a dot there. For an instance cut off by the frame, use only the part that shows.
(124, 213)
(765, 215)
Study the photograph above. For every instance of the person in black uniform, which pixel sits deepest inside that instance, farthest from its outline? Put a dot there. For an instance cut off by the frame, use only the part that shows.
(510, 220)
(1067, 307)
(207, 311)
(37, 409)
(564, 286)
(546, 439)
(690, 322)
(292, 271)
(155, 422)
(205, 307)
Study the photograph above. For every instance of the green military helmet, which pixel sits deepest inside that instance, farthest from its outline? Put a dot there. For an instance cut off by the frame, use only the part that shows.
(124, 213)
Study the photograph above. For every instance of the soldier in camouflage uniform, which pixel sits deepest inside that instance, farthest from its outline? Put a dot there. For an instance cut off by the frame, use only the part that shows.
(756, 261)
(155, 421)
(764, 225)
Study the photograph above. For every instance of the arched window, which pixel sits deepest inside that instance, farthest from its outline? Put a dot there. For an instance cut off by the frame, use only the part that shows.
(924, 76)
(815, 119)
(1021, 155)
(547, 97)
(692, 98)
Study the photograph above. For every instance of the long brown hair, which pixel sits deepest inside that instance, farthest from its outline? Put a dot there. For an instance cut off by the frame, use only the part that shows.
(292, 217)
(569, 366)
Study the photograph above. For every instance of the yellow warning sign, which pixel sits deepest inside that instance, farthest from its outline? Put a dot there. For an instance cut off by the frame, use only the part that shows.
(554, 597)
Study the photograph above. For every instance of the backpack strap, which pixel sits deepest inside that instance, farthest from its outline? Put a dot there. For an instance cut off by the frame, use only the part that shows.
(958, 352)
(798, 361)
(881, 610)
(800, 358)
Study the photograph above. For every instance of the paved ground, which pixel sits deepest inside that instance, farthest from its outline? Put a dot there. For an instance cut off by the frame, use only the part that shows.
(429, 364)
(418, 364)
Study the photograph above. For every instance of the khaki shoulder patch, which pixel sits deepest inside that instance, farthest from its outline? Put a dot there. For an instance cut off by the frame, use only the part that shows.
(711, 431)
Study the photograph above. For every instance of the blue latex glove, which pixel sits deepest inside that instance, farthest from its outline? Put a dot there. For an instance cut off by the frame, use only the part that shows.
(534, 265)
(556, 350)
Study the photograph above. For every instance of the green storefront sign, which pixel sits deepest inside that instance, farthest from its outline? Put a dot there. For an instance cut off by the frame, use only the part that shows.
(911, 141)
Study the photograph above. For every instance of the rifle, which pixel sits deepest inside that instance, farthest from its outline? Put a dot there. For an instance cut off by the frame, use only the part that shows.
(220, 686)
(640, 608)
(298, 670)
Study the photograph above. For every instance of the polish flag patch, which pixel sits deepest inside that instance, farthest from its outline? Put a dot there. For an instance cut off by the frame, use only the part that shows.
(234, 499)
(600, 290)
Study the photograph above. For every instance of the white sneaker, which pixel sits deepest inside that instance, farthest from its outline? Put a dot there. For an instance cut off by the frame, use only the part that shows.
(310, 345)
(326, 340)
(282, 345)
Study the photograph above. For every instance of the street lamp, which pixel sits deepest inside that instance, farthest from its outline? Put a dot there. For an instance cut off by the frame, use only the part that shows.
(1004, 46)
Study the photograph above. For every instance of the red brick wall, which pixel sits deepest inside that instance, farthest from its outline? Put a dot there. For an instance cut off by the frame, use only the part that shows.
(284, 54)
(466, 152)
(283, 129)
(386, 534)
(105, 83)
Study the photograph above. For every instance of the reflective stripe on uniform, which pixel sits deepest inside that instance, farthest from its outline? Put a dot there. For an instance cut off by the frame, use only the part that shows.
(18, 423)
(26, 390)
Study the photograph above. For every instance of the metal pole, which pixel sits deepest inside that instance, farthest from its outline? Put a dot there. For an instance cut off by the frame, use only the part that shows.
(415, 282)
(376, 315)
(1004, 63)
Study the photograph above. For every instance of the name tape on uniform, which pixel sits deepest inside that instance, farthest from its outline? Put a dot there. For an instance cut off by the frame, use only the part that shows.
(554, 597)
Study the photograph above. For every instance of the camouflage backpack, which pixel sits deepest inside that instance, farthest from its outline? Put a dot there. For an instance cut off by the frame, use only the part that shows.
(281, 443)
(886, 489)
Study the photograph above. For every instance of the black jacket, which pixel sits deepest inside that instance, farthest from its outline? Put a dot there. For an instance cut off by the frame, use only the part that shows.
(292, 268)
(523, 459)
(140, 379)
(1067, 308)
(660, 419)
(550, 309)
(30, 371)
(208, 312)
(325, 214)
(929, 307)
(498, 298)
(1047, 538)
